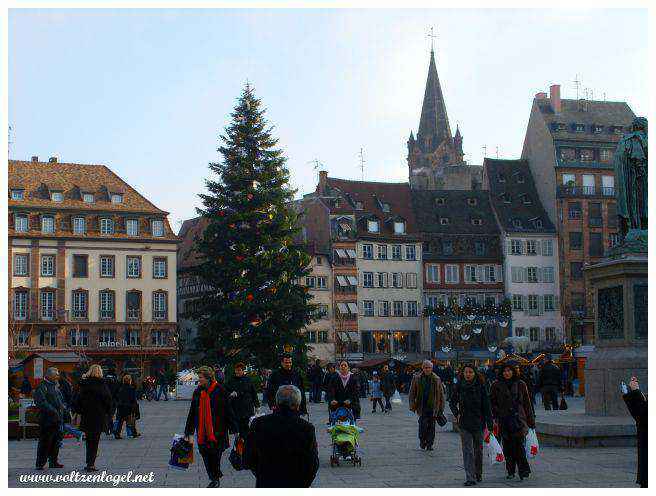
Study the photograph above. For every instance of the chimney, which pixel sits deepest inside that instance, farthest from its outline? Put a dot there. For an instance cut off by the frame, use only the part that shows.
(554, 96)
(35, 158)
(52, 160)
(541, 96)
(323, 179)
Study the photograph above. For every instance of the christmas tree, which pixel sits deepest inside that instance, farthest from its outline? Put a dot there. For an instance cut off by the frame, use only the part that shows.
(254, 308)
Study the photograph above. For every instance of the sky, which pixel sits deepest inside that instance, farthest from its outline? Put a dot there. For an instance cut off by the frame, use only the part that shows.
(148, 92)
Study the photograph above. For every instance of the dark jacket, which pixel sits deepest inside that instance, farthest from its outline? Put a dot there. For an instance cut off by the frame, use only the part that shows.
(504, 397)
(327, 381)
(246, 401)
(637, 405)
(387, 383)
(66, 391)
(550, 376)
(223, 418)
(415, 395)
(470, 401)
(316, 374)
(283, 377)
(94, 404)
(126, 400)
(351, 392)
(26, 387)
(48, 399)
(281, 450)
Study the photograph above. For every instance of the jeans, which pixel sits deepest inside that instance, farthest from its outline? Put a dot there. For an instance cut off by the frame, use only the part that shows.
(162, 389)
(550, 397)
(377, 401)
(388, 405)
(427, 429)
(472, 454)
(48, 448)
(212, 461)
(92, 440)
(315, 393)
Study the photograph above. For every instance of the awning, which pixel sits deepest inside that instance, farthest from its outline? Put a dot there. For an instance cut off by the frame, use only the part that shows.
(353, 308)
(341, 254)
(351, 253)
(341, 280)
(342, 308)
(353, 281)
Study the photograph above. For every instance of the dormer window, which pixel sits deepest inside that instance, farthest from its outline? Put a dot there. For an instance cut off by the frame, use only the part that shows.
(158, 228)
(116, 198)
(537, 223)
(440, 201)
(559, 126)
(579, 128)
(359, 205)
(501, 178)
(386, 207)
(444, 221)
(57, 196)
(526, 200)
(520, 178)
(618, 129)
(472, 201)
(477, 222)
(87, 197)
(18, 194)
(106, 226)
(399, 227)
(372, 226)
(517, 223)
(597, 128)
(506, 198)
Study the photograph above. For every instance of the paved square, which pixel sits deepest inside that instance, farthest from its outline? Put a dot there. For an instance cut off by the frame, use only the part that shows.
(390, 457)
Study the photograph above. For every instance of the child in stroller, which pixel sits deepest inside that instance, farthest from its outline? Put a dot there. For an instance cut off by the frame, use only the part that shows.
(344, 434)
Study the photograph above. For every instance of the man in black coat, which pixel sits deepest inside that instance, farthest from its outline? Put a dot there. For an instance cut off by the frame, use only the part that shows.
(637, 405)
(316, 378)
(281, 448)
(550, 384)
(328, 379)
(285, 376)
(243, 398)
(48, 399)
(387, 386)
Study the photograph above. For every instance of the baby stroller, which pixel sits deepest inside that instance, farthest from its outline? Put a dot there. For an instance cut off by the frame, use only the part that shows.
(344, 434)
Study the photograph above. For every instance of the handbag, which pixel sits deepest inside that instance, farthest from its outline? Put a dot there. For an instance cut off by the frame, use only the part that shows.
(182, 453)
(441, 419)
(237, 454)
(563, 403)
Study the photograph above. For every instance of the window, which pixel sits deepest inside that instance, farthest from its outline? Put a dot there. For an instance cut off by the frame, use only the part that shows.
(587, 155)
(372, 226)
(550, 333)
(574, 210)
(567, 154)
(133, 337)
(399, 227)
(80, 304)
(20, 305)
(569, 180)
(87, 197)
(517, 274)
(57, 196)
(158, 338)
(451, 275)
(23, 338)
(107, 305)
(18, 194)
(606, 155)
(48, 337)
(596, 128)
(321, 282)
(444, 221)
(575, 241)
(133, 267)
(47, 265)
(396, 252)
(411, 280)
(618, 129)
(608, 185)
(107, 337)
(310, 281)
(397, 308)
(433, 273)
(410, 252)
(47, 305)
(576, 270)
(472, 201)
(21, 223)
(547, 247)
(534, 334)
(106, 265)
(368, 279)
(531, 247)
(382, 252)
(490, 273)
(476, 222)
(368, 251)
(412, 308)
(47, 224)
(506, 198)
(312, 336)
(382, 279)
(133, 305)
(359, 205)
(368, 308)
(533, 303)
(578, 302)
(531, 274)
(517, 302)
(116, 198)
(447, 247)
(434, 301)
(160, 269)
(547, 274)
(397, 280)
(613, 240)
(160, 307)
(470, 273)
(596, 245)
(526, 200)
(21, 264)
(106, 226)
(516, 247)
(323, 336)
(157, 227)
(79, 225)
(517, 223)
(549, 303)
(588, 184)
(440, 201)
(520, 178)
(479, 248)
(132, 227)
(80, 265)
(612, 215)
(386, 207)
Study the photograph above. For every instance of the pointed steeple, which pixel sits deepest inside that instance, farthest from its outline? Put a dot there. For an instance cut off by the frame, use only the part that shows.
(434, 122)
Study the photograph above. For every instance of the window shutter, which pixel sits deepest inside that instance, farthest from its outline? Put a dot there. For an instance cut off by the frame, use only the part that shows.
(525, 303)
(375, 280)
(540, 304)
(524, 274)
(508, 246)
(538, 273)
(479, 273)
(498, 272)
(538, 247)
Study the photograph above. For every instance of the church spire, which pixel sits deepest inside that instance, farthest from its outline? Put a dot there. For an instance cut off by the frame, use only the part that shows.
(434, 122)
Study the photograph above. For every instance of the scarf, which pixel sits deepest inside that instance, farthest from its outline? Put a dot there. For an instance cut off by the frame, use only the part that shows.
(345, 378)
(205, 425)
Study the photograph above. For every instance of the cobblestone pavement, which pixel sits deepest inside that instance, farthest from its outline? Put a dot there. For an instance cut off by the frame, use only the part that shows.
(389, 448)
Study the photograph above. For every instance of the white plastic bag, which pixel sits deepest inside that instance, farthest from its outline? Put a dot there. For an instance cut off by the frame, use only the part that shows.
(492, 449)
(396, 398)
(531, 444)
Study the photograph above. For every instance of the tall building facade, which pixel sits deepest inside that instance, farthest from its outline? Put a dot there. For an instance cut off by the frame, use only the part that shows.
(569, 146)
(91, 267)
(530, 246)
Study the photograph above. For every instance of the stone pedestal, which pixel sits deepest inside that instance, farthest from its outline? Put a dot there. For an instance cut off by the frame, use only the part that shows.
(619, 285)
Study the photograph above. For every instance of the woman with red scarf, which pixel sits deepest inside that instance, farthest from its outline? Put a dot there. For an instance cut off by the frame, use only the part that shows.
(210, 416)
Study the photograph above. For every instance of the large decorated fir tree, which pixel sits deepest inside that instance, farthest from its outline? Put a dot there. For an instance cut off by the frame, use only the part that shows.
(255, 308)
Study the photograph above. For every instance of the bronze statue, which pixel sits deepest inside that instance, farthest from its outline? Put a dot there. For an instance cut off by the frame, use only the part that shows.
(631, 178)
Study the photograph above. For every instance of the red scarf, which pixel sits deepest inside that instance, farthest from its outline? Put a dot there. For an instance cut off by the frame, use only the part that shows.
(205, 425)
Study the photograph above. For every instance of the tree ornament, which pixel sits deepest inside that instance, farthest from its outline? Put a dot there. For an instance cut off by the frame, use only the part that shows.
(249, 297)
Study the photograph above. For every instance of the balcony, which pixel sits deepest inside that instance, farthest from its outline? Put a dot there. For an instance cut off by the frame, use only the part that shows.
(133, 314)
(584, 192)
(595, 222)
(592, 164)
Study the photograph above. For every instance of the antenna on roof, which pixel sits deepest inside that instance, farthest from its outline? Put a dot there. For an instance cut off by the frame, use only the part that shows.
(604, 96)
(362, 162)
(497, 151)
(484, 148)
(317, 164)
(9, 141)
(577, 85)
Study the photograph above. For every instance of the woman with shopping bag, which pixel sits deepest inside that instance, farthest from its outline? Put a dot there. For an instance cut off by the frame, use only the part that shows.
(470, 405)
(210, 417)
(513, 412)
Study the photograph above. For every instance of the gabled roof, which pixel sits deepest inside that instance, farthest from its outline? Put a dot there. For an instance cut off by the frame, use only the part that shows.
(504, 181)
(190, 230)
(434, 121)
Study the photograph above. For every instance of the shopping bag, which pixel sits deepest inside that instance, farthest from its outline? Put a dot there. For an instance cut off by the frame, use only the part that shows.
(258, 413)
(182, 453)
(237, 454)
(531, 444)
(563, 403)
(396, 398)
(492, 449)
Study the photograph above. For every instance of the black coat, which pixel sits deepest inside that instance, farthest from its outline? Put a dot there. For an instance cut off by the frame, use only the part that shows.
(94, 404)
(48, 398)
(350, 392)
(316, 374)
(637, 405)
(66, 391)
(327, 381)
(246, 401)
(550, 376)
(281, 450)
(471, 402)
(126, 400)
(388, 383)
(283, 377)
(223, 418)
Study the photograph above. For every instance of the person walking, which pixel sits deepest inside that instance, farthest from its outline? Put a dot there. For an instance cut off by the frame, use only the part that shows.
(94, 404)
(346, 390)
(210, 417)
(316, 378)
(470, 406)
(281, 448)
(49, 401)
(426, 399)
(126, 408)
(328, 378)
(550, 384)
(112, 385)
(67, 396)
(637, 404)
(162, 384)
(284, 376)
(388, 386)
(243, 398)
(513, 412)
(376, 393)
